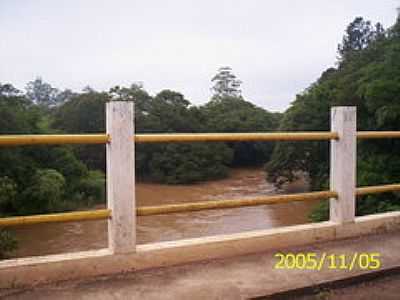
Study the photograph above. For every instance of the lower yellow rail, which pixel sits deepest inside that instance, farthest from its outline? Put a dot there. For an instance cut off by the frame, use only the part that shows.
(378, 134)
(56, 218)
(377, 189)
(218, 204)
(189, 207)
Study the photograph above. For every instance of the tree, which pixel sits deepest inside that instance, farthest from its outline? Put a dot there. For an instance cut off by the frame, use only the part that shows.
(369, 80)
(131, 93)
(44, 194)
(169, 111)
(84, 113)
(359, 34)
(188, 163)
(64, 96)
(19, 166)
(234, 114)
(41, 93)
(225, 84)
(7, 90)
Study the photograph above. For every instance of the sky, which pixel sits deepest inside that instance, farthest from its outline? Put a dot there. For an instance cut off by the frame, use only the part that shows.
(276, 48)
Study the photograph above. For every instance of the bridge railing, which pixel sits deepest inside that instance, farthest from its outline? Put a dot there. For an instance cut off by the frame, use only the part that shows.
(120, 139)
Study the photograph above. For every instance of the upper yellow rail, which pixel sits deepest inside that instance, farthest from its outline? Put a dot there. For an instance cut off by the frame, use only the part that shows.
(53, 139)
(232, 137)
(50, 139)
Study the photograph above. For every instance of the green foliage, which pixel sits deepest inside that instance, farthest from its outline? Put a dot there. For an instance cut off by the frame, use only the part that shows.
(42, 179)
(8, 193)
(17, 114)
(37, 179)
(169, 111)
(232, 114)
(84, 113)
(44, 95)
(44, 194)
(8, 243)
(321, 212)
(91, 189)
(359, 35)
(189, 163)
(368, 77)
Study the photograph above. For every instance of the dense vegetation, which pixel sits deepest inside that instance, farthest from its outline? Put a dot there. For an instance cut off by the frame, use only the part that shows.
(169, 111)
(44, 179)
(57, 178)
(367, 76)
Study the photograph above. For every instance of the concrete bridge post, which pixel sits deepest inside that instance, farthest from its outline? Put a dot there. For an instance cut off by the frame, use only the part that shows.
(343, 164)
(121, 176)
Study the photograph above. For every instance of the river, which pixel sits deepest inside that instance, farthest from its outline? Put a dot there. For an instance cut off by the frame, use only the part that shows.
(44, 239)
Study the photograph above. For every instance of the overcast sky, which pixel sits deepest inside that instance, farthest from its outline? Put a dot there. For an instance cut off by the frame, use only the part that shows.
(277, 48)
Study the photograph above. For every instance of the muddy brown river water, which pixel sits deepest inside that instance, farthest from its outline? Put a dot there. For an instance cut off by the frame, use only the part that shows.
(69, 237)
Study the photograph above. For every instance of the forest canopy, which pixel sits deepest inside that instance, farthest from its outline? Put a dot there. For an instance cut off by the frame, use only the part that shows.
(367, 76)
(41, 179)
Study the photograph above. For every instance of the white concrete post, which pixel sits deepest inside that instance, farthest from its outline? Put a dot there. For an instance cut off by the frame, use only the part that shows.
(121, 176)
(343, 164)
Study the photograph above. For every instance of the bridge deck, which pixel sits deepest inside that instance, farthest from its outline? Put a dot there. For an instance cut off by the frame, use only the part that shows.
(234, 278)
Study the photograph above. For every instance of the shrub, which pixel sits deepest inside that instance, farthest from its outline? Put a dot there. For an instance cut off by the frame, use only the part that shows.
(188, 163)
(7, 243)
(8, 192)
(91, 189)
(44, 194)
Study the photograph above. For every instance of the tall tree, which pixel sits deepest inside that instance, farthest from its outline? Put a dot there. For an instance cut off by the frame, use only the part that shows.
(226, 84)
(359, 34)
(41, 93)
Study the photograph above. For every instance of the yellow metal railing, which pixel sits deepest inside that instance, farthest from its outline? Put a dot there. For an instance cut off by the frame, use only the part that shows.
(234, 137)
(52, 139)
(56, 218)
(377, 189)
(190, 207)
(232, 203)
(263, 200)
(378, 134)
(14, 140)
(49, 139)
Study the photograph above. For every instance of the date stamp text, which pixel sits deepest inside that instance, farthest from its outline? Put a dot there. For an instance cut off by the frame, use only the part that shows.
(314, 261)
